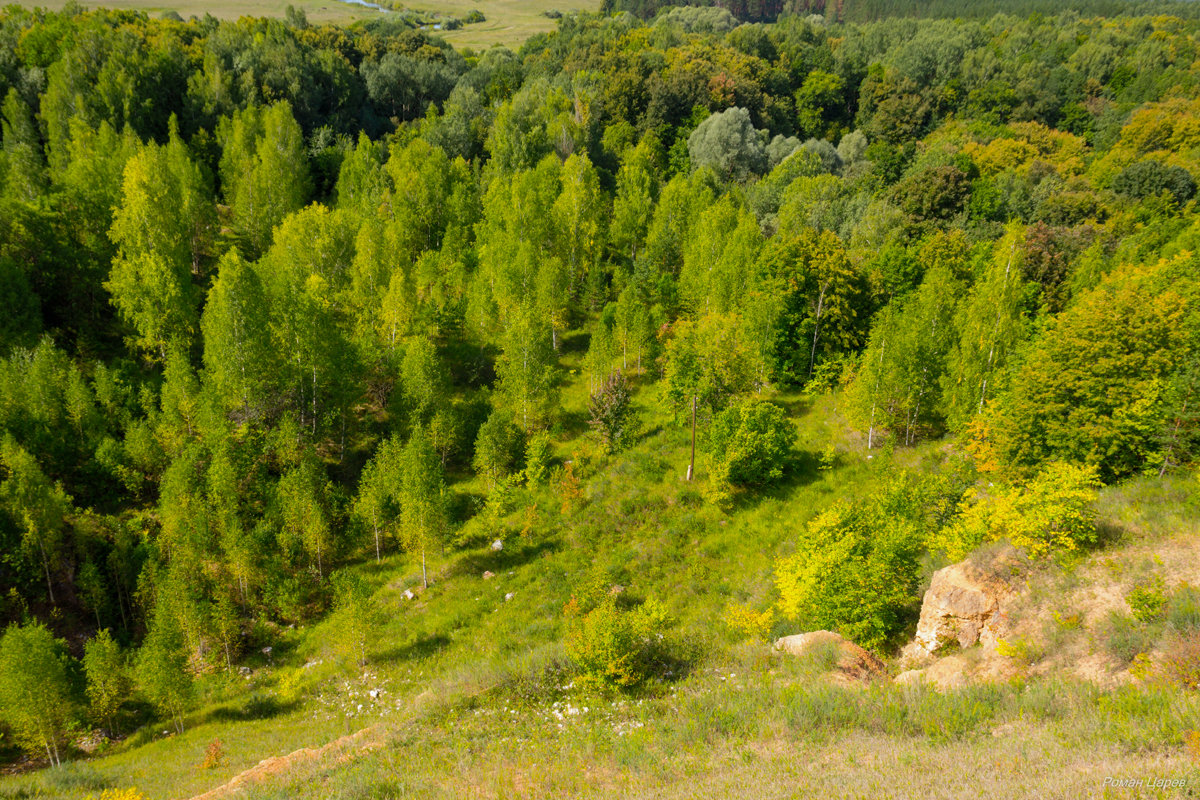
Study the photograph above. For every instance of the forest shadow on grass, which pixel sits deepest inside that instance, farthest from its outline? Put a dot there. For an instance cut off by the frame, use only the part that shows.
(572, 423)
(803, 468)
(511, 557)
(257, 707)
(418, 649)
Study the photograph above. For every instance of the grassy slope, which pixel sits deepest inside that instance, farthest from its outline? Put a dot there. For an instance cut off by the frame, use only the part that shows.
(471, 705)
(508, 22)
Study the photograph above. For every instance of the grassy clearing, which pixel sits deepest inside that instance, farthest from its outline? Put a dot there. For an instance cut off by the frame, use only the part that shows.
(507, 22)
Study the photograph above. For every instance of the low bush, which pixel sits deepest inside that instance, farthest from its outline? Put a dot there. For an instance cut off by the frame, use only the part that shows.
(855, 572)
(1148, 600)
(749, 444)
(1183, 609)
(1124, 637)
(1181, 660)
(614, 642)
(1051, 513)
(748, 623)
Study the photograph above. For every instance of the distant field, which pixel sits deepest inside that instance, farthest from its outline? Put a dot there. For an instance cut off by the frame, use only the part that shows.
(508, 22)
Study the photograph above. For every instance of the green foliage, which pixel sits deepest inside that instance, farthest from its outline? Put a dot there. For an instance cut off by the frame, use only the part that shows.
(353, 617)
(989, 327)
(1096, 393)
(162, 230)
(161, 669)
(264, 170)
(1148, 600)
(239, 356)
(856, 570)
(611, 415)
(899, 386)
(749, 444)
(1151, 177)
(728, 143)
(613, 643)
(422, 502)
(37, 507)
(377, 505)
(108, 684)
(1183, 609)
(960, 263)
(1051, 513)
(498, 448)
(537, 458)
(36, 701)
(1124, 637)
(711, 361)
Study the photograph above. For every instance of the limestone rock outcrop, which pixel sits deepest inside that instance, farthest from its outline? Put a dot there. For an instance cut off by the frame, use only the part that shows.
(964, 605)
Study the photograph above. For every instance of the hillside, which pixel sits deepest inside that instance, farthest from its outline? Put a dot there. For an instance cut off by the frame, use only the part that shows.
(474, 698)
(654, 409)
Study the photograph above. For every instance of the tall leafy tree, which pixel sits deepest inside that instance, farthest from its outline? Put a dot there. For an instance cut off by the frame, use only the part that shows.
(580, 216)
(422, 500)
(163, 230)
(36, 701)
(161, 669)
(305, 513)
(240, 359)
(377, 504)
(38, 506)
(722, 245)
(991, 325)
(822, 299)
(107, 679)
(526, 371)
(1088, 391)
(264, 170)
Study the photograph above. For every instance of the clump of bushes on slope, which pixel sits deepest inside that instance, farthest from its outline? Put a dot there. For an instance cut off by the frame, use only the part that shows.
(614, 642)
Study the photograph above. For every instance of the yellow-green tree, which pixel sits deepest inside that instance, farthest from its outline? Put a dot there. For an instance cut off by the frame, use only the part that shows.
(35, 689)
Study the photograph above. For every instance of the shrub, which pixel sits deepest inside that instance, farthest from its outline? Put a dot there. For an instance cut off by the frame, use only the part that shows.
(107, 678)
(1193, 745)
(1147, 600)
(612, 643)
(748, 623)
(1052, 512)
(1019, 649)
(856, 572)
(214, 755)
(749, 444)
(1181, 660)
(537, 459)
(1183, 609)
(353, 617)
(498, 448)
(611, 413)
(118, 794)
(1124, 638)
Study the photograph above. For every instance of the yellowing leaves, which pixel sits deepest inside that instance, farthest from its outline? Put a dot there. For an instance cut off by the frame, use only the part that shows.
(1168, 131)
(1051, 513)
(1030, 142)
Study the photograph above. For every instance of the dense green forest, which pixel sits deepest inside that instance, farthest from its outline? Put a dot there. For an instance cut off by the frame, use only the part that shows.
(282, 298)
